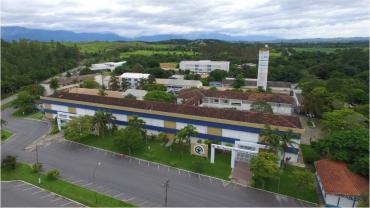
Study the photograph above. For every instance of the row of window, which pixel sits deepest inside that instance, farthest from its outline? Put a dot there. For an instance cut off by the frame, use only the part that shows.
(238, 103)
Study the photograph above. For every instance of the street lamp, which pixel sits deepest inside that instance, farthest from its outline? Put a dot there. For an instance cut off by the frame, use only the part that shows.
(165, 186)
(96, 167)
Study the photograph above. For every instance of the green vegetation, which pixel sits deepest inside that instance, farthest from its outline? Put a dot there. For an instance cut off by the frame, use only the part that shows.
(87, 197)
(5, 134)
(154, 52)
(288, 183)
(159, 96)
(34, 62)
(33, 115)
(166, 155)
(309, 154)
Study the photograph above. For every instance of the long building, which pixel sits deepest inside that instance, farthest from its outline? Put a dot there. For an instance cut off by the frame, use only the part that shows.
(204, 66)
(175, 85)
(227, 126)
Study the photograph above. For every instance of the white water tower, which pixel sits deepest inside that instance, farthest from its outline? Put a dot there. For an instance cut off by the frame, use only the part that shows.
(263, 64)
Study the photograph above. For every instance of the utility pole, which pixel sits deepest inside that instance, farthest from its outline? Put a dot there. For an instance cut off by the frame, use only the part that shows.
(166, 185)
(96, 167)
(37, 163)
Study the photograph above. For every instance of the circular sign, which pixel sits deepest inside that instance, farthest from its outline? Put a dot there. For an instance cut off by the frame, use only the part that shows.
(198, 149)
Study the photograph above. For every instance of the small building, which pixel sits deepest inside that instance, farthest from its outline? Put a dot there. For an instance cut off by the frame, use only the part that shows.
(139, 94)
(111, 66)
(204, 66)
(275, 86)
(177, 76)
(215, 84)
(133, 78)
(175, 85)
(280, 104)
(339, 186)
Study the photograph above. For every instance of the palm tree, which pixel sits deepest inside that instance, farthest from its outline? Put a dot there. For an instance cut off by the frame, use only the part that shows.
(103, 121)
(271, 138)
(113, 83)
(286, 140)
(102, 92)
(137, 123)
(185, 134)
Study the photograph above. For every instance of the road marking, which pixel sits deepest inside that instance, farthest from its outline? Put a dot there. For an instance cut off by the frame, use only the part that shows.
(36, 192)
(210, 180)
(132, 198)
(117, 195)
(77, 181)
(28, 189)
(88, 184)
(47, 195)
(66, 204)
(57, 199)
(179, 172)
(23, 184)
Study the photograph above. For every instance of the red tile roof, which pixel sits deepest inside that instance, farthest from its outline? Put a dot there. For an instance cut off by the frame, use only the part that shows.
(251, 96)
(337, 179)
(228, 114)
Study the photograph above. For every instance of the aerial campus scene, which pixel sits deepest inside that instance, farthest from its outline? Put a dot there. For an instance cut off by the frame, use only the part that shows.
(192, 103)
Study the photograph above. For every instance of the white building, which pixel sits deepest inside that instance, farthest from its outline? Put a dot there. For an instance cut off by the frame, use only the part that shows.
(175, 85)
(280, 104)
(263, 63)
(339, 186)
(111, 66)
(133, 78)
(139, 94)
(204, 66)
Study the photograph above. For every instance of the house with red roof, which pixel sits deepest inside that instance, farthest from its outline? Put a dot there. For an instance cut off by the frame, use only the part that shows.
(339, 186)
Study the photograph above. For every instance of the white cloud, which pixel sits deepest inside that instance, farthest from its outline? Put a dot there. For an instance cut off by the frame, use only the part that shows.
(284, 18)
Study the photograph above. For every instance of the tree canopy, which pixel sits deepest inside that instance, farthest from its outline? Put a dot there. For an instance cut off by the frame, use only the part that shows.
(159, 96)
(345, 119)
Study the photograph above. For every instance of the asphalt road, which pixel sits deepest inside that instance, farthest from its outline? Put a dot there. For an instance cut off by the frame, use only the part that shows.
(132, 180)
(20, 194)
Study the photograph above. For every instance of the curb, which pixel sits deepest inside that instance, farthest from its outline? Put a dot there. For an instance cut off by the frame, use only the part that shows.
(82, 205)
(2, 142)
(180, 169)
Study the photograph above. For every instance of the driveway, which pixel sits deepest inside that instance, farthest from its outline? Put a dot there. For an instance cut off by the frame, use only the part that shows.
(132, 180)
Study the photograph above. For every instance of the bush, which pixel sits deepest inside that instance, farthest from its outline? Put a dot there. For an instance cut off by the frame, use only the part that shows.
(52, 174)
(9, 162)
(309, 154)
(36, 167)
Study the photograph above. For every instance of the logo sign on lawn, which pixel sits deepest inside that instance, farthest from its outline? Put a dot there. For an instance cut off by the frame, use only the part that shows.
(199, 150)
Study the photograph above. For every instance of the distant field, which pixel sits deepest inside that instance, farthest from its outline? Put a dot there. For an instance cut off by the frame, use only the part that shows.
(91, 47)
(322, 49)
(151, 52)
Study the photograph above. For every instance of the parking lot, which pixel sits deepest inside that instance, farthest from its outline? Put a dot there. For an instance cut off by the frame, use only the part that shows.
(21, 194)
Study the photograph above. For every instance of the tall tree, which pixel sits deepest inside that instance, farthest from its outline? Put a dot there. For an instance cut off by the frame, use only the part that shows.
(129, 138)
(113, 83)
(264, 167)
(124, 84)
(239, 81)
(345, 119)
(137, 123)
(103, 121)
(79, 127)
(54, 83)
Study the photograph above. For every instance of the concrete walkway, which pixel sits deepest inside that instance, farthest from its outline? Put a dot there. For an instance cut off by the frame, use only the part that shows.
(241, 173)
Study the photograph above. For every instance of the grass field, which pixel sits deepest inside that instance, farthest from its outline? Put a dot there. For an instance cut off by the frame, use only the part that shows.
(92, 47)
(69, 190)
(36, 115)
(288, 186)
(5, 134)
(152, 52)
(161, 154)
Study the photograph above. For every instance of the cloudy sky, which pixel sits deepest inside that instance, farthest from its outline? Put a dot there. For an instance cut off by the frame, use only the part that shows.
(278, 18)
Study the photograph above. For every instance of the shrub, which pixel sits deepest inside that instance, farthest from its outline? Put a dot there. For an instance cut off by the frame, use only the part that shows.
(36, 167)
(9, 162)
(309, 154)
(199, 141)
(52, 174)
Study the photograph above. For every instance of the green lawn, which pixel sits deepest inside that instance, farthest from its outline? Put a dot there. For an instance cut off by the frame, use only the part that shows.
(288, 186)
(161, 154)
(36, 115)
(5, 134)
(152, 52)
(322, 49)
(69, 190)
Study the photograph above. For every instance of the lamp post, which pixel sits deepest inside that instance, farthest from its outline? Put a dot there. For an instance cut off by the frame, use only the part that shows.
(166, 185)
(96, 167)
(37, 164)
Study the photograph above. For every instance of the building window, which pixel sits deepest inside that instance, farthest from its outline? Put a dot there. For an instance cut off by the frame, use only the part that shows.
(236, 104)
(215, 100)
(225, 101)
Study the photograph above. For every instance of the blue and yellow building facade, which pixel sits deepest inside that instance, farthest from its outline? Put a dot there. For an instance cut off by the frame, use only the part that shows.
(225, 131)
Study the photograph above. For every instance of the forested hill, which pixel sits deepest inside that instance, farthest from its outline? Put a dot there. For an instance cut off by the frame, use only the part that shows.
(27, 62)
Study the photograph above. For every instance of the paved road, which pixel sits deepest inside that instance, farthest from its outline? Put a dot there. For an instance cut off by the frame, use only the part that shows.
(20, 194)
(137, 182)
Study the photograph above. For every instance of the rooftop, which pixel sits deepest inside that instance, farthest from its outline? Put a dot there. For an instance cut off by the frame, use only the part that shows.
(217, 113)
(337, 179)
(251, 96)
(134, 75)
(195, 83)
(206, 61)
(275, 84)
(86, 91)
